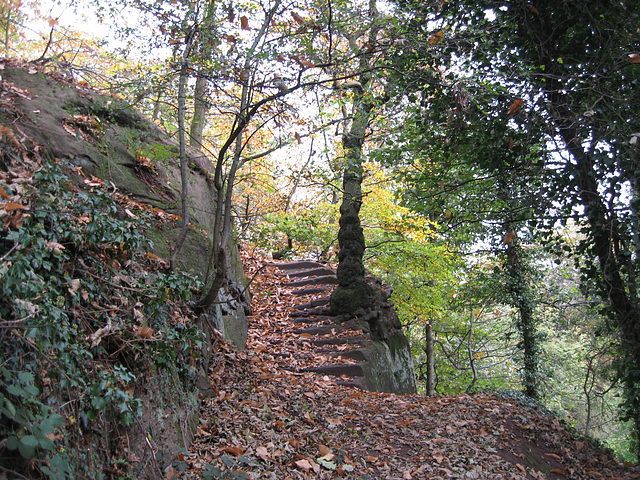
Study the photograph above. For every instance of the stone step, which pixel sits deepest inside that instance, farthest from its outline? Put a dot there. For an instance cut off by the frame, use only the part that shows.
(356, 354)
(312, 272)
(295, 265)
(313, 312)
(349, 369)
(358, 340)
(302, 292)
(354, 383)
(320, 329)
(309, 320)
(318, 302)
(325, 280)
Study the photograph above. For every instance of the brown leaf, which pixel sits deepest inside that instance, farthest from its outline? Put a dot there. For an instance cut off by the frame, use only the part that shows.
(69, 129)
(144, 332)
(634, 57)
(532, 8)
(307, 465)
(10, 206)
(515, 106)
(297, 18)
(436, 38)
(171, 473)
(558, 471)
(54, 247)
(234, 450)
(324, 450)
(553, 455)
(244, 23)
(508, 238)
(294, 443)
(298, 137)
(263, 453)
(231, 15)
(74, 285)
(13, 220)
(4, 194)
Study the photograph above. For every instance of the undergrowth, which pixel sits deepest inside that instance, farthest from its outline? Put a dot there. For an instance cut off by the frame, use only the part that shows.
(85, 316)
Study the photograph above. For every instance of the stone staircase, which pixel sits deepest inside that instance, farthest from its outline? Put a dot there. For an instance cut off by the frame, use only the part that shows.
(345, 351)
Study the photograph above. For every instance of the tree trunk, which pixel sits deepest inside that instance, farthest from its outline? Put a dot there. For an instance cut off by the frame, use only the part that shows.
(200, 109)
(522, 299)
(184, 197)
(431, 370)
(352, 296)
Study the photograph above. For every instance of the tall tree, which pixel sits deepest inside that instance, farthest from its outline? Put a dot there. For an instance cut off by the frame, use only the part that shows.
(354, 296)
(570, 70)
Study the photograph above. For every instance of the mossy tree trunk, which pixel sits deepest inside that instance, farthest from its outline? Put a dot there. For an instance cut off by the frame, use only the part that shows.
(353, 296)
(352, 293)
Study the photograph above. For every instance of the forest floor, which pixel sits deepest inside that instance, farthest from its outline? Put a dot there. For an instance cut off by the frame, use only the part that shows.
(265, 419)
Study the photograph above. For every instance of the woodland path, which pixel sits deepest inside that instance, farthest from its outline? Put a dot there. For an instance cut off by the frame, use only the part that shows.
(287, 408)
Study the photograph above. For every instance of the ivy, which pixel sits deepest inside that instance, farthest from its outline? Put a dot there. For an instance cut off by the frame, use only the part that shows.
(78, 300)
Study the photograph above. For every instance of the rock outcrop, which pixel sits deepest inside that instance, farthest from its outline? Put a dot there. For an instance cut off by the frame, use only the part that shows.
(110, 140)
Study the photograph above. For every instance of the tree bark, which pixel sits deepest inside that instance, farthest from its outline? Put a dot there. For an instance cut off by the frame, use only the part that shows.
(200, 109)
(353, 296)
(431, 369)
(184, 196)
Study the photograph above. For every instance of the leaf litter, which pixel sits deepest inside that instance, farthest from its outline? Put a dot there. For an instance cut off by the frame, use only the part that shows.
(266, 419)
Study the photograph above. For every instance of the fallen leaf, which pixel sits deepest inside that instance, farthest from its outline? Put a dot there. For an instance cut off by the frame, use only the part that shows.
(171, 473)
(263, 453)
(294, 443)
(304, 465)
(69, 129)
(324, 450)
(145, 332)
(234, 450)
(436, 38)
(74, 285)
(10, 206)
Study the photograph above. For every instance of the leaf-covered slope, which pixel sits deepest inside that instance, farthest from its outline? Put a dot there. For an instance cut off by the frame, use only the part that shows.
(100, 350)
(266, 419)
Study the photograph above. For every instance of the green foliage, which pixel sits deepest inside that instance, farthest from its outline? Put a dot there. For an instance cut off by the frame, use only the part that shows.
(73, 300)
(303, 232)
